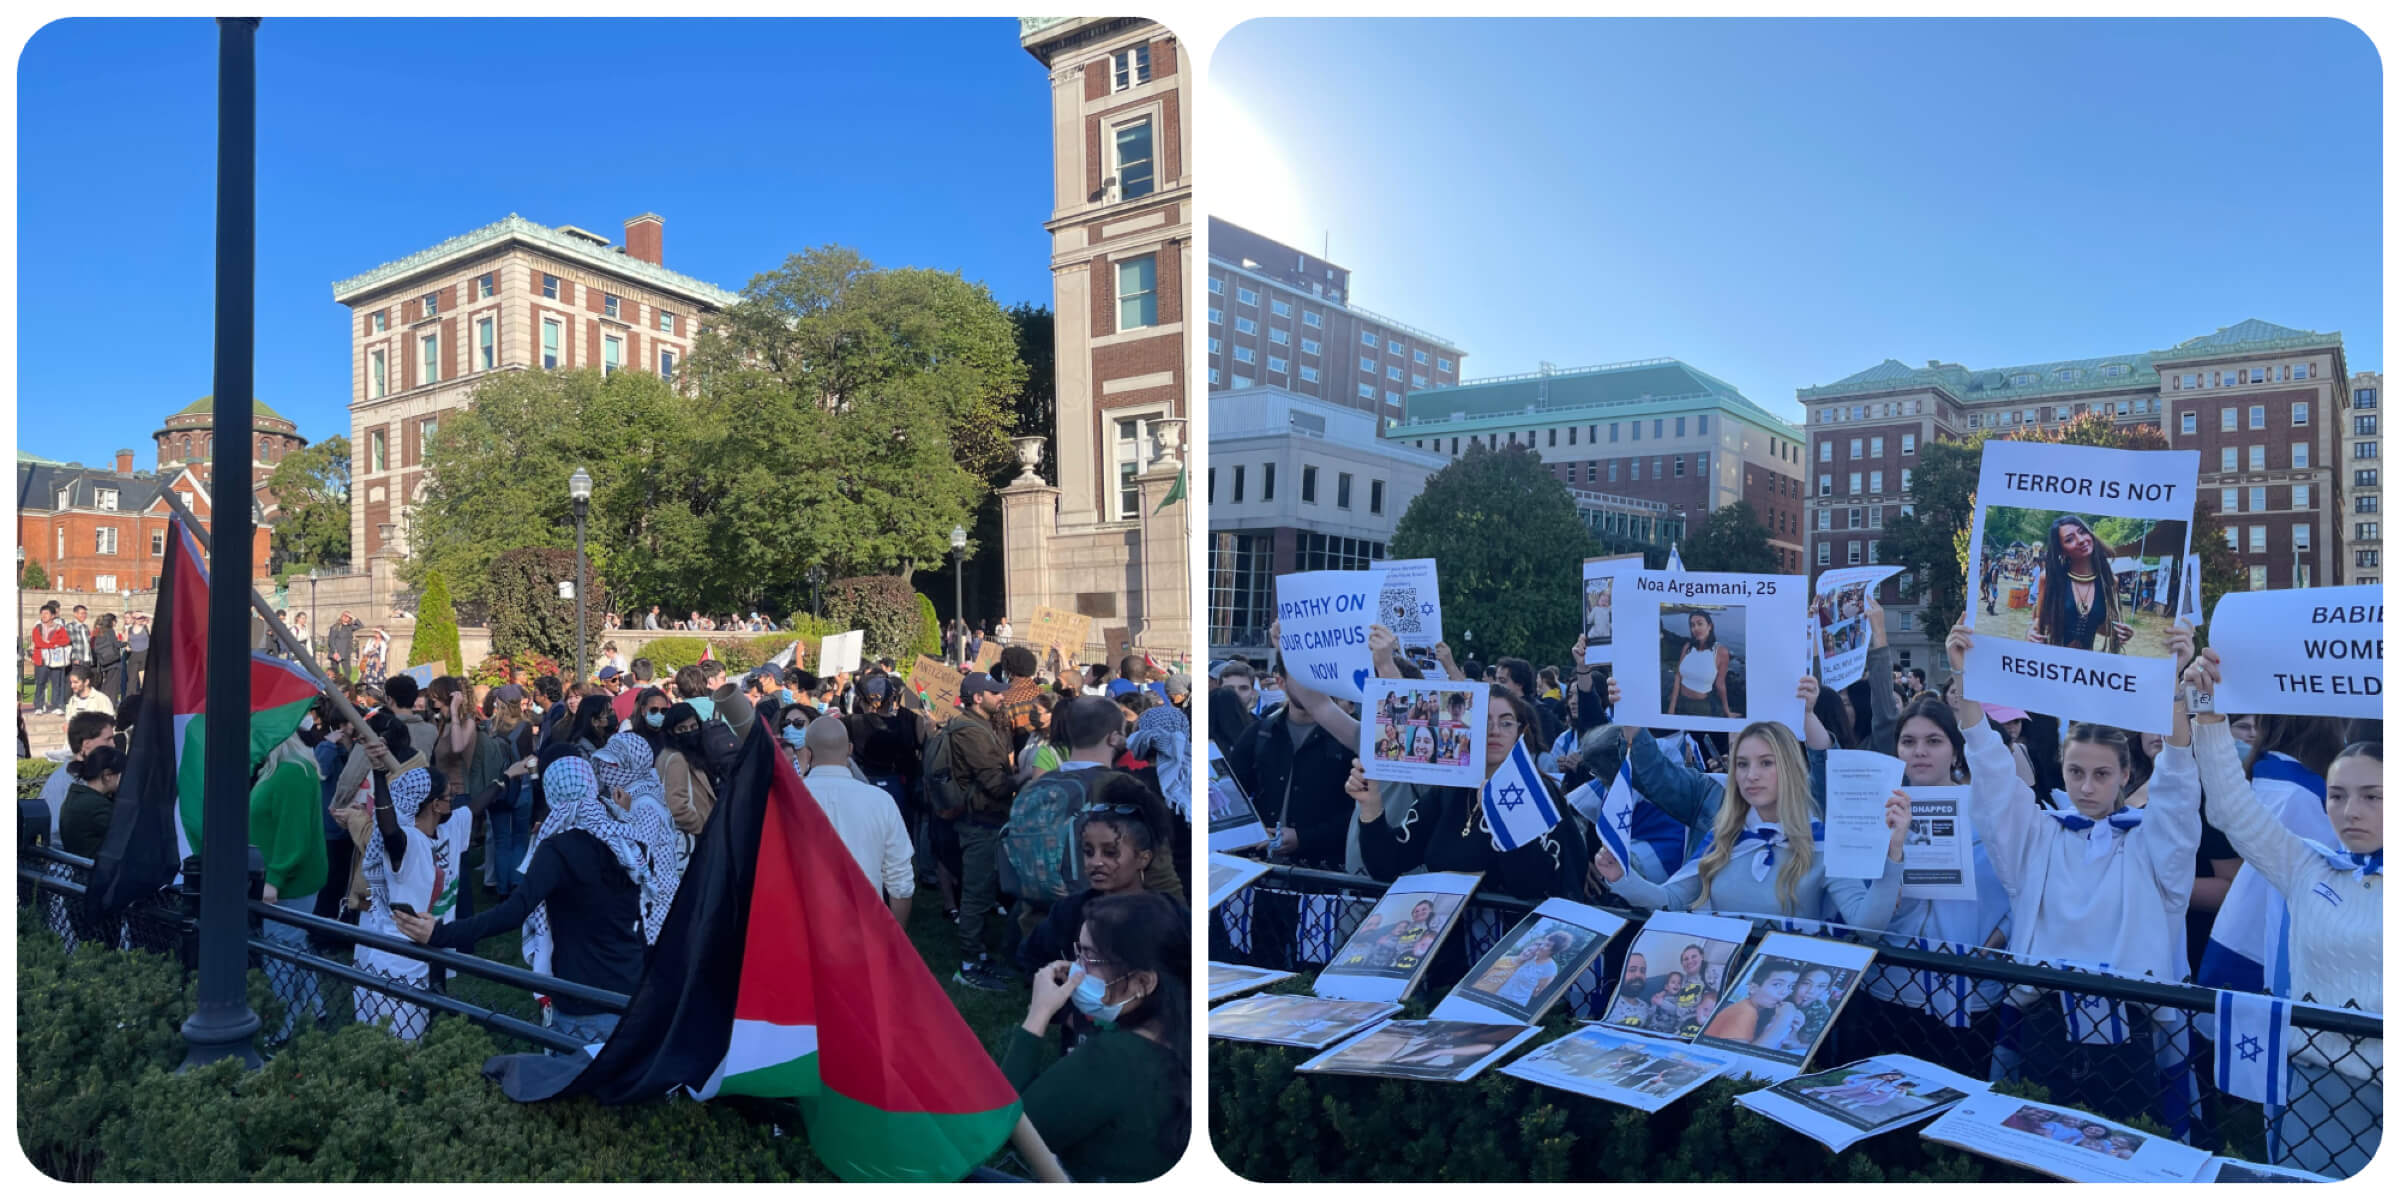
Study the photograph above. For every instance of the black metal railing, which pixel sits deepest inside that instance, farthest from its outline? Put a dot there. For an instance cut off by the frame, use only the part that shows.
(2123, 1048)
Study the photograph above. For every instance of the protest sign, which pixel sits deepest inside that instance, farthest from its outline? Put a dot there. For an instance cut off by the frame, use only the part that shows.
(1423, 731)
(1395, 941)
(2316, 652)
(1675, 974)
(1938, 855)
(2064, 1142)
(841, 652)
(1060, 630)
(1324, 617)
(1531, 966)
(1601, 578)
(1845, 1105)
(987, 654)
(1435, 1051)
(1412, 602)
(1858, 783)
(424, 674)
(1119, 639)
(1838, 622)
(938, 682)
(1710, 651)
(1779, 1009)
(1233, 824)
(1619, 1068)
(2080, 551)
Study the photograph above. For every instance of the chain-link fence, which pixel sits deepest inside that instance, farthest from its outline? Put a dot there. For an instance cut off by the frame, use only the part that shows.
(2121, 1048)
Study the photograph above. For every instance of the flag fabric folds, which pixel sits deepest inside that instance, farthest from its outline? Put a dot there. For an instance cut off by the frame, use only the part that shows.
(1610, 809)
(780, 974)
(1516, 802)
(2254, 1040)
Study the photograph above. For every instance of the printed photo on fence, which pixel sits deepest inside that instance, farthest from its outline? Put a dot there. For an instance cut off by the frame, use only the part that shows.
(1394, 943)
(1674, 976)
(1233, 823)
(1721, 649)
(2063, 1142)
(1620, 1068)
(1425, 732)
(2077, 553)
(1531, 966)
(1848, 1104)
(1440, 1051)
(1412, 602)
(1785, 999)
(1308, 1022)
(1233, 979)
(1228, 874)
(1599, 604)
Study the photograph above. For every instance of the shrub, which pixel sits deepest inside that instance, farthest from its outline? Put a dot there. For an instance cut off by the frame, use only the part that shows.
(929, 632)
(884, 606)
(670, 654)
(528, 617)
(495, 669)
(34, 578)
(436, 639)
(32, 773)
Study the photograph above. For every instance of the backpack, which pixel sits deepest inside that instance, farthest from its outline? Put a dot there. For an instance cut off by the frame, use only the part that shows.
(943, 792)
(1039, 839)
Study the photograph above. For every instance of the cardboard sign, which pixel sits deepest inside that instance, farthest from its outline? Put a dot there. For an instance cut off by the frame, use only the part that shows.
(1325, 615)
(1120, 642)
(1412, 602)
(2315, 652)
(1060, 630)
(1710, 651)
(2078, 552)
(841, 652)
(987, 654)
(1600, 583)
(938, 682)
(1838, 622)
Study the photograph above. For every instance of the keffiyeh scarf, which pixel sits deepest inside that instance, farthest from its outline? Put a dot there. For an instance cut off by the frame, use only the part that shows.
(409, 791)
(1163, 734)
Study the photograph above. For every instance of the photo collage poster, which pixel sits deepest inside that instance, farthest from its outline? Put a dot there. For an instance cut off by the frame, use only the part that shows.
(1424, 731)
(1838, 622)
(1710, 651)
(2077, 554)
(1850, 1103)
(2064, 1143)
(1282, 1019)
(1531, 967)
(1434, 1051)
(1388, 953)
(1675, 974)
(1784, 1001)
(1233, 824)
(1621, 1068)
(1601, 578)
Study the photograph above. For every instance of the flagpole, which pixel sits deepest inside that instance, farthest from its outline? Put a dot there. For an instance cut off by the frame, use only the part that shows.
(1036, 1152)
(223, 1026)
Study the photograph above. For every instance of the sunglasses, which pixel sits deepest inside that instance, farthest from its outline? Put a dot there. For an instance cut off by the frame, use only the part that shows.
(1131, 810)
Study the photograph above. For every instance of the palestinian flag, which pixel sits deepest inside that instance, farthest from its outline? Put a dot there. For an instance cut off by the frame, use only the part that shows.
(780, 974)
(156, 822)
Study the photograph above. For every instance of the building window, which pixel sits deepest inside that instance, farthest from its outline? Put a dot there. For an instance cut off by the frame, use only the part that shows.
(1875, 518)
(2258, 579)
(1678, 466)
(2300, 497)
(2229, 500)
(1908, 443)
(1216, 316)
(1246, 296)
(1311, 346)
(1279, 366)
(1679, 427)
(1266, 481)
(1216, 286)
(1858, 518)
(1314, 320)
(1126, 456)
(549, 287)
(1280, 337)
(552, 334)
(1366, 391)
(1137, 292)
(1308, 374)
(2258, 499)
(2363, 398)
(433, 358)
(2191, 422)
(1444, 364)
(1825, 451)
(1824, 485)
(666, 364)
(2368, 504)
(376, 321)
(1612, 470)
(1341, 490)
(432, 305)
(1637, 470)
(2367, 558)
(1857, 449)
(1905, 475)
(2228, 419)
(1852, 551)
(1415, 380)
(1874, 447)
(158, 543)
(1824, 554)
(1244, 354)
(486, 350)
(1215, 346)
(2300, 536)
(375, 375)
(1308, 485)
(609, 305)
(2258, 416)
(1129, 68)
(2363, 425)
(2228, 459)
(2299, 456)
(2364, 477)
(666, 322)
(2363, 450)
(1244, 325)
(1391, 397)
(1375, 496)
(483, 286)
(106, 498)
(2368, 531)
(425, 431)
(378, 452)
(1136, 170)
(1215, 377)
(2258, 539)
(612, 354)
(1395, 374)
(1854, 488)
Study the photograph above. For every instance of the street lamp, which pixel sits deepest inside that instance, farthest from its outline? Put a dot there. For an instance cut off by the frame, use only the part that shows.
(579, 488)
(958, 586)
(816, 591)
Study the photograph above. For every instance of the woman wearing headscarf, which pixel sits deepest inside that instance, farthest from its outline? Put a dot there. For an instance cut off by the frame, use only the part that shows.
(683, 770)
(589, 861)
(1163, 735)
(628, 781)
(411, 866)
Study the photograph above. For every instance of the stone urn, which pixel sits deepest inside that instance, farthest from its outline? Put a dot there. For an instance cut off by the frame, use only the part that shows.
(1029, 456)
(1167, 437)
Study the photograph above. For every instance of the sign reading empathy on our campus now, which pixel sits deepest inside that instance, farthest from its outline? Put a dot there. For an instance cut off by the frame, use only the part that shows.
(2314, 652)
(1324, 615)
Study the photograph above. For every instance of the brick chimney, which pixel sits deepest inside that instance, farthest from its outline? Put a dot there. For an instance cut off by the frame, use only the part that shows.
(124, 462)
(646, 238)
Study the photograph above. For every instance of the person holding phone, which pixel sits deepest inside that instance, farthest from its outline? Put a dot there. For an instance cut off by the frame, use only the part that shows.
(411, 867)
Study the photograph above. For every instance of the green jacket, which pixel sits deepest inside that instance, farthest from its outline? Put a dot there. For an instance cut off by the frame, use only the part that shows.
(287, 824)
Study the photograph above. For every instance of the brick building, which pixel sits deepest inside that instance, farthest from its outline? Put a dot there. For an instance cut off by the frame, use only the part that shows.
(1651, 447)
(105, 529)
(1279, 317)
(2362, 466)
(512, 296)
(2259, 401)
(1095, 539)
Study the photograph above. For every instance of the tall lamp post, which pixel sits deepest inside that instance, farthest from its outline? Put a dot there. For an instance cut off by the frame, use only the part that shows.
(958, 586)
(579, 487)
(816, 591)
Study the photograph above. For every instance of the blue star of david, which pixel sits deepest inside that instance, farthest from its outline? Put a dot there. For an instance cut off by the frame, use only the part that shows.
(2250, 1049)
(1509, 797)
(1625, 820)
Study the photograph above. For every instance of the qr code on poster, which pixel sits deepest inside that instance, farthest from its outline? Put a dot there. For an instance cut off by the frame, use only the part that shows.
(1400, 611)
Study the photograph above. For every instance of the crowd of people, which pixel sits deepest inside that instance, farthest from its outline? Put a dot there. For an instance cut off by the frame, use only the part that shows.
(697, 622)
(2168, 857)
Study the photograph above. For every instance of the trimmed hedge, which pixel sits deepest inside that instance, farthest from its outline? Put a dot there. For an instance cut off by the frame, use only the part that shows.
(32, 773)
(883, 606)
(98, 1041)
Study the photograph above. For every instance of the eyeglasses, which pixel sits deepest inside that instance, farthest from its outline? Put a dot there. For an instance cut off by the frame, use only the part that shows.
(1090, 959)
(1134, 810)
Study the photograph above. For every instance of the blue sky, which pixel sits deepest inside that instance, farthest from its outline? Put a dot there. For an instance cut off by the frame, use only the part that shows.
(1783, 203)
(921, 143)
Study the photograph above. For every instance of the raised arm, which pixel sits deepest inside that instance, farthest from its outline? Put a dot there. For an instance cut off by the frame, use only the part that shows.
(2263, 842)
(2005, 816)
(1883, 730)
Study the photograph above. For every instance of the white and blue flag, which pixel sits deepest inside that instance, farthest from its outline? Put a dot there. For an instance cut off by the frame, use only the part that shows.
(2254, 1040)
(1516, 803)
(1675, 558)
(1611, 809)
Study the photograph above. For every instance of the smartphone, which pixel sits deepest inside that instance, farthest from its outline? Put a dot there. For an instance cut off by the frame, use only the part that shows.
(409, 909)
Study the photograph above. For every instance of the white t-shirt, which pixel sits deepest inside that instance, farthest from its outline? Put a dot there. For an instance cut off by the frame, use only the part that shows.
(427, 880)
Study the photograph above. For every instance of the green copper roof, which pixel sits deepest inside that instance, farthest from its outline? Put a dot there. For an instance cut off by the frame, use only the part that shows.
(208, 404)
(2106, 373)
(550, 241)
(1618, 390)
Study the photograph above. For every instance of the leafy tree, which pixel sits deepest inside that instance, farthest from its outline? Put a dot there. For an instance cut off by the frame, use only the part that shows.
(35, 577)
(437, 629)
(1934, 538)
(1511, 551)
(1733, 539)
(1036, 406)
(929, 630)
(312, 501)
(882, 606)
(528, 617)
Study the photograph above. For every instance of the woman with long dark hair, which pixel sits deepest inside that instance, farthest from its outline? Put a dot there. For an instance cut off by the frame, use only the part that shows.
(1118, 1107)
(1701, 666)
(2077, 605)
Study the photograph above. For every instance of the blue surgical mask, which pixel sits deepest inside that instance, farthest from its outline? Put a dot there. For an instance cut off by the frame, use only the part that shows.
(788, 696)
(2243, 747)
(704, 706)
(655, 718)
(796, 735)
(1090, 999)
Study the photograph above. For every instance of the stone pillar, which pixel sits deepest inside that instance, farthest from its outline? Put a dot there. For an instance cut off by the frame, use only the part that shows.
(1028, 523)
(1160, 616)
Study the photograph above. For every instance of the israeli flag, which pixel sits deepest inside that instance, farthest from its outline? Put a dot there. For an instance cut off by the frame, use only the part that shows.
(2254, 1039)
(1675, 558)
(1611, 809)
(1516, 803)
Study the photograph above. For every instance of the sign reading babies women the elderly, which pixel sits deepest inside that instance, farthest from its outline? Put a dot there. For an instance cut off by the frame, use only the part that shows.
(2076, 562)
(1710, 651)
(2313, 652)
(1324, 617)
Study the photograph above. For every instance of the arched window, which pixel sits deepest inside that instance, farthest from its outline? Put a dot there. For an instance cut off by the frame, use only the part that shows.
(187, 447)
(264, 445)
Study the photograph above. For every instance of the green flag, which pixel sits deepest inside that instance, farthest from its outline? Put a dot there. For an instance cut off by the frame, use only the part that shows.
(1174, 493)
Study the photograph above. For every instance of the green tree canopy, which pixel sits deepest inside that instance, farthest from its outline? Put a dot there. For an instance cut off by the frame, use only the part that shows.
(312, 503)
(1734, 539)
(1510, 548)
(35, 577)
(436, 639)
